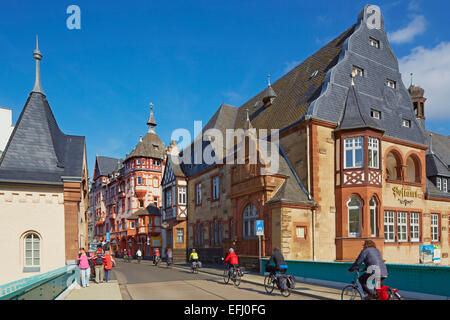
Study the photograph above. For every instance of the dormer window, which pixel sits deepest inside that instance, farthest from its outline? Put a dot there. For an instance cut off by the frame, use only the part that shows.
(156, 147)
(375, 114)
(406, 123)
(359, 71)
(438, 183)
(314, 74)
(391, 83)
(374, 42)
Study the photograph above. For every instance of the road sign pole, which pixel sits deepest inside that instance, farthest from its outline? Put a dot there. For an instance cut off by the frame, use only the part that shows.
(259, 237)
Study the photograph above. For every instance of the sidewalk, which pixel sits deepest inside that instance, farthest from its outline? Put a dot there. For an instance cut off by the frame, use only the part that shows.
(101, 291)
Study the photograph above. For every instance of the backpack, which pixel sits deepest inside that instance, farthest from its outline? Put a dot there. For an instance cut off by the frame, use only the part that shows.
(98, 260)
(291, 282)
(282, 282)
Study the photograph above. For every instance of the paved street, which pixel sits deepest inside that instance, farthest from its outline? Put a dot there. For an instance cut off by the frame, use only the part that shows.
(147, 282)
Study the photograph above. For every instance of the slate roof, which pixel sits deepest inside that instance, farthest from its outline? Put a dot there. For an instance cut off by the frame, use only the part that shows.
(176, 166)
(292, 190)
(294, 91)
(107, 165)
(151, 146)
(151, 210)
(38, 151)
(353, 116)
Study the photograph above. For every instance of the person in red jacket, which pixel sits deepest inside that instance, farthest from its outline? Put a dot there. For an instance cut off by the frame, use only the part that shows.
(232, 259)
(108, 262)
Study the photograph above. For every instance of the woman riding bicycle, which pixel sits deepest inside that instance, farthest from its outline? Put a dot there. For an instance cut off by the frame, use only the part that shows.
(372, 258)
(280, 264)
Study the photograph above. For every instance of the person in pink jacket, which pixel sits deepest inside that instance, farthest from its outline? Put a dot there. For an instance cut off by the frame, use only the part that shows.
(85, 269)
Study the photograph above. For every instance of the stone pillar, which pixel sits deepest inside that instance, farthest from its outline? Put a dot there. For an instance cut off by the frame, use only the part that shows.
(72, 198)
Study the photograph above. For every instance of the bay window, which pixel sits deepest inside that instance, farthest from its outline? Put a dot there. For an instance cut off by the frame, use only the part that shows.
(353, 152)
(373, 153)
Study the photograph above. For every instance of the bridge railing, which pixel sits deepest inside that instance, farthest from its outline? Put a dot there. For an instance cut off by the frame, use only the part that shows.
(45, 286)
(428, 279)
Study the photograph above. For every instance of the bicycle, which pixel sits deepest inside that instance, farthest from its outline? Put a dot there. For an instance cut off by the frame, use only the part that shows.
(195, 266)
(233, 274)
(272, 279)
(355, 291)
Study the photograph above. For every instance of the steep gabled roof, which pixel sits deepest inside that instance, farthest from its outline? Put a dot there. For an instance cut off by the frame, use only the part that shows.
(38, 151)
(294, 91)
(106, 165)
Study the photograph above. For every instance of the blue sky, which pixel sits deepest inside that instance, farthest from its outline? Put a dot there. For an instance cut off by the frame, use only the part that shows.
(187, 57)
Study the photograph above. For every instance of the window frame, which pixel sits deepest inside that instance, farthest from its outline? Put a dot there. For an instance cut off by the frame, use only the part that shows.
(373, 41)
(374, 218)
(249, 217)
(387, 223)
(402, 221)
(434, 227)
(182, 192)
(391, 83)
(359, 208)
(375, 112)
(414, 221)
(406, 123)
(35, 238)
(373, 148)
(198, 194)
(439, 183)
(357, 144)
(215, 188)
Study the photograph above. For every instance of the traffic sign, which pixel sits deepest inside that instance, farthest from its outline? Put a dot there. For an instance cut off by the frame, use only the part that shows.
(259, 227)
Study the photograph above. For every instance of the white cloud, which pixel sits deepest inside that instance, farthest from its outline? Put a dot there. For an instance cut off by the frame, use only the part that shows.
(290, 65)
(416, 27)
(431, 69)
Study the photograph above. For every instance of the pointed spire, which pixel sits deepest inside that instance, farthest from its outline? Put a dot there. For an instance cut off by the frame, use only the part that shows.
(151, 120)
(411, 74)
(270, 94)
(38, 57)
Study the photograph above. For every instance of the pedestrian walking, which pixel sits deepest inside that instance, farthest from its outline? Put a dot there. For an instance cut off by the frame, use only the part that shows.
(85, 269)
(129, 255)
(139, 255)
(99, 268)
(108, 262)
(169, 256)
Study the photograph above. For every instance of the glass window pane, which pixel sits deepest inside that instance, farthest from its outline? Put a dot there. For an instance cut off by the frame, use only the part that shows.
(358, 158)
(36, 261)
(348, 159)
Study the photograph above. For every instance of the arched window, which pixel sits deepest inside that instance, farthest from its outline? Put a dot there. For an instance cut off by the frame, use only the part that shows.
(32, 250)
(373, 217)
(249, 221)
(413, 169)
(354, 217)
(393, 166)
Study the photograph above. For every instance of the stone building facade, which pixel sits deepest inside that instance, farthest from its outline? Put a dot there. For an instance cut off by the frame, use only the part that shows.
(355, 162)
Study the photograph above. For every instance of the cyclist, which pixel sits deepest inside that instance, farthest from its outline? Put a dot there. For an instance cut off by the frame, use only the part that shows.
(193, 257)
(233, 258)
(370, 256)
(157, 256)
(278, 259)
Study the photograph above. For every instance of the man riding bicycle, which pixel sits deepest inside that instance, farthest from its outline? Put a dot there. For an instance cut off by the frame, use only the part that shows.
(193, 257)
(372, 258)
(278, 259)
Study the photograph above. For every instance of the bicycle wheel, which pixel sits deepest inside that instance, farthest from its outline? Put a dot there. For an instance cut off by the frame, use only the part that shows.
(237, 279)
(286, 293)
(226, 276)
(269, 285)
(350, 292)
